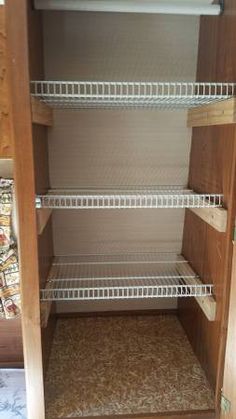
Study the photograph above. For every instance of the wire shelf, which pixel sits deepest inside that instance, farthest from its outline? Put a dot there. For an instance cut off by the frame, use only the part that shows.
(101, 279)
(93, 94)
(159, 197)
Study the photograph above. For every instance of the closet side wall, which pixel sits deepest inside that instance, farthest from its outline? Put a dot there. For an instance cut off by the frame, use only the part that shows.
(212, 169)
(41, 171)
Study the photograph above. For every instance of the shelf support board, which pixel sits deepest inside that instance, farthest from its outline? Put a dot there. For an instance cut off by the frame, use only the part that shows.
(46, 306)
(45, 309)
(208, 303)
(215, 113)
(43, 216)
(42, 114)
(215, 217)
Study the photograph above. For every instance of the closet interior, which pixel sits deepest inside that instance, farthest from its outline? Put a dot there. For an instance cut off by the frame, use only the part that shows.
(133, 179)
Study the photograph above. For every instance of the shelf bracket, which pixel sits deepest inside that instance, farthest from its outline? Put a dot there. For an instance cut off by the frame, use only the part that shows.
(42, 114)
(43, 216)
(215, 217)
(208, 303)
(215, 113)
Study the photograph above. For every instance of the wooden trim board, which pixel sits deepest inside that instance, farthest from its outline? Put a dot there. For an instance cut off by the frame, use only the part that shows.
(215, 217)
(229, 381)
(43, 216)
(41, 113)
(45, 312)
(207, 304)
(17, 45)
(218, 113)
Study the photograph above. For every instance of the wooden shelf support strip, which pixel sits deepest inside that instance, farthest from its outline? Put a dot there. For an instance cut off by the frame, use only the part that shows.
(215, 217)
(45, 312)
(218, 113)
(42, 114)
(208, 303)
(45, 307)
(43, 215)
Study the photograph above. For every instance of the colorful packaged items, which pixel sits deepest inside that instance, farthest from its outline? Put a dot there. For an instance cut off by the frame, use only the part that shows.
(9, 266)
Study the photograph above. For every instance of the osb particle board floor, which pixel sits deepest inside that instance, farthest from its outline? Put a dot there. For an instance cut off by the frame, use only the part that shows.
(120, 365)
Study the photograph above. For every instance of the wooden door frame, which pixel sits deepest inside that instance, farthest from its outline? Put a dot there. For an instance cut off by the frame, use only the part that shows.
(18, 62)
(229, 380)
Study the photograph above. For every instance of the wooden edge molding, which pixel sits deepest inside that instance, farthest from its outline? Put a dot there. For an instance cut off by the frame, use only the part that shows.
(45, 307)
(18, 64)
(216, 113)
(45, 312)
(43, 215)
(207, 304)
(215, 217)
(41, 113)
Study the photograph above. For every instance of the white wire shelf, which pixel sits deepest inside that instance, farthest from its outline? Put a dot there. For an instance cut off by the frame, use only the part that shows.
(158, 197)
(93, 94)
(120, 277)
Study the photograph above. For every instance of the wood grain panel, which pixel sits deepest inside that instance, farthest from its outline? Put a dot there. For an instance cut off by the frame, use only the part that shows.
(41, 169)
(11, 350)
(211, 160)
(205, 247)
(212, 169)
(42, 114)
(41, 172)
(6, 132)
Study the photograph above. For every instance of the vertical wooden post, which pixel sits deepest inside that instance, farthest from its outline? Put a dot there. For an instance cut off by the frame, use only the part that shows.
(17, 42)
(229, 382)
(5, 120)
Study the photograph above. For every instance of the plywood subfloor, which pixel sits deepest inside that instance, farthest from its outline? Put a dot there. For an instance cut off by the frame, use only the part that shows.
(125, 364)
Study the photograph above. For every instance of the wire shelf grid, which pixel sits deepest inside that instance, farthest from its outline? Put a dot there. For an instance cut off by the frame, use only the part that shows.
(70, 279)
(92, 94)
(169, 197)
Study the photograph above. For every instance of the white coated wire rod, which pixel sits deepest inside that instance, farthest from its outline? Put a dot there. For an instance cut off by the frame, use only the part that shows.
(126, 201)
(128, 262)
(120, 278)
(197, 7)
(94, 282)
(151, 258)
(76, 95)
(126, 292)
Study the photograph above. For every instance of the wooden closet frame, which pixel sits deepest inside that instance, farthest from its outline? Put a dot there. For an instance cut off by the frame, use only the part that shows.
(23, 29)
